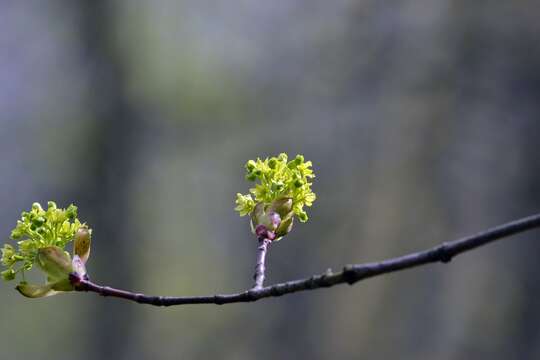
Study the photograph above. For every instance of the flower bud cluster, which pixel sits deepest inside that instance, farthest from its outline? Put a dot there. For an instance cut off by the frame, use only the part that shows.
(42, 236)
(282, 189)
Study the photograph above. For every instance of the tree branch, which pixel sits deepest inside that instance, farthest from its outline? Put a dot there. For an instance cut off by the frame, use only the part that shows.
(350, 274)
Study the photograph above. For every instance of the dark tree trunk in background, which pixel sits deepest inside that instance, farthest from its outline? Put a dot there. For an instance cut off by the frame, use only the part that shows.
(105, 195)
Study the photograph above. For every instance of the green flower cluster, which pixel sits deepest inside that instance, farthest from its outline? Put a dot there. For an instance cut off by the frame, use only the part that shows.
(38, 229)
(283, 187)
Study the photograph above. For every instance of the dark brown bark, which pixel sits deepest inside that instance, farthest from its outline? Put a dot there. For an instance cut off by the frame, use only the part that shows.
(350, 273)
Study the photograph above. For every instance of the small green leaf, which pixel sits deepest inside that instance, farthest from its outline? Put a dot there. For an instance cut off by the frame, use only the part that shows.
(35, 291)
(285, 227)
(282, 206)
(55, 262)
(62, 285)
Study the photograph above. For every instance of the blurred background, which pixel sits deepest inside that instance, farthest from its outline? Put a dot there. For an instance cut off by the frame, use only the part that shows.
(422, 119)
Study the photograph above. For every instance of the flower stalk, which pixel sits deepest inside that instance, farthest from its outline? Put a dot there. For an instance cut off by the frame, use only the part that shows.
(260, 267)
(282, 190)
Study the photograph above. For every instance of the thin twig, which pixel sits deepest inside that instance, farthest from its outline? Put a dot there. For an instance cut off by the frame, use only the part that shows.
(350, 274)
(260, 266)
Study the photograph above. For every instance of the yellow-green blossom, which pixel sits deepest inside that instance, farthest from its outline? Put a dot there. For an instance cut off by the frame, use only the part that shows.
(277, 179)
(38, 229)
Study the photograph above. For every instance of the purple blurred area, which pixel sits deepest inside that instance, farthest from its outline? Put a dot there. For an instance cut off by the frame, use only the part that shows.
(422, 119)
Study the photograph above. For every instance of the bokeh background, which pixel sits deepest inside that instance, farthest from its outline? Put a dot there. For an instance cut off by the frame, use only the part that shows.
(422, 118)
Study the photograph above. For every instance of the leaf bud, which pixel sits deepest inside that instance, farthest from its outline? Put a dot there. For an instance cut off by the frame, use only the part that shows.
(82, 242)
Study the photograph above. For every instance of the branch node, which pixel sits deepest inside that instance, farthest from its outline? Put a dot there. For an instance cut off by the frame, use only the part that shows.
(349, 274)
(312, 283)
(444, 254)
(252, 294)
